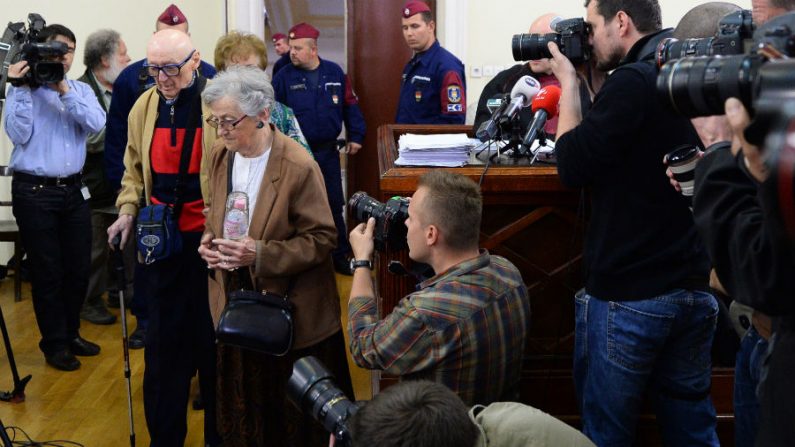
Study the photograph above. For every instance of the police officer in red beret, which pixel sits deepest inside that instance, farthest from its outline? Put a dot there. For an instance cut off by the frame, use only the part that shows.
(433, 87)
(322, 97)
(281, 45)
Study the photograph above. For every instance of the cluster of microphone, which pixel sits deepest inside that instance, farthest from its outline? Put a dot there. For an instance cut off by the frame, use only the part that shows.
(527, 92)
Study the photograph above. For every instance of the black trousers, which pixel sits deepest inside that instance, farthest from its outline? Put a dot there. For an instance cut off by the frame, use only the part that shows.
(180, 341)
(55, 227)
(329, 161)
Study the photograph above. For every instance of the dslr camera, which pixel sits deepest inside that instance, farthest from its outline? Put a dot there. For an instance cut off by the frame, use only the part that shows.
(734, 36)
(21, 43)
(390, 217)
(762, 80)
(312, 389)
(571, 36)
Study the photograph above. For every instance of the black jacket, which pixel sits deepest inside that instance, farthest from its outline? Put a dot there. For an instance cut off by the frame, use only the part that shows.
(641, 239)
(756, 265)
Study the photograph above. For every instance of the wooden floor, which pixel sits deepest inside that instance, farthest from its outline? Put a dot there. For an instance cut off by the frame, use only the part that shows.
(89, 405)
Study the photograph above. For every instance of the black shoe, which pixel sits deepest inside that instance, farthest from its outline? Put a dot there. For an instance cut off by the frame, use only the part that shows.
(137, 338)
(81, 346)
(97, 314)
(343, 267)
(63, 360)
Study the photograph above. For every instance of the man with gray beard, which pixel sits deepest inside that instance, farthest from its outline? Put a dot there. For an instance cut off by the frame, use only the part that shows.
(105, 57)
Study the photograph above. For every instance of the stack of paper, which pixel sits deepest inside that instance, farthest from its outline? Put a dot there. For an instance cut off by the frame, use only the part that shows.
(447, 150)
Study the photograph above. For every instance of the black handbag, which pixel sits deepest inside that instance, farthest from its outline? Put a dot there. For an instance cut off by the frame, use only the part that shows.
(257, 321)
(261, 322)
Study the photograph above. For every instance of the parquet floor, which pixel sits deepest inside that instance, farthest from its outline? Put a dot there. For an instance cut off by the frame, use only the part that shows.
(89, 405)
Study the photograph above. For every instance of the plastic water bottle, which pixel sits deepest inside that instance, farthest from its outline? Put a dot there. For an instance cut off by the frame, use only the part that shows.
(236, 216)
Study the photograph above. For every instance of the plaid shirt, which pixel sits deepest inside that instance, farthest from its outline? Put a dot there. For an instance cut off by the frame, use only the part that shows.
(464, 328)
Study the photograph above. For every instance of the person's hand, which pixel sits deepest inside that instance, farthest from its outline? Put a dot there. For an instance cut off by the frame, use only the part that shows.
(122, 226)
(562, 67)
(61, 86)
(18, 70)
(209, 252)
(234, 254)
(738, 120)
(763, 324)
(331, 440)
(361, 240)
(352, 148)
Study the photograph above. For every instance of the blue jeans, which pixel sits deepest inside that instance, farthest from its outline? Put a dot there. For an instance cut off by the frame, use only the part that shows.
(659, 346)
(753, 349)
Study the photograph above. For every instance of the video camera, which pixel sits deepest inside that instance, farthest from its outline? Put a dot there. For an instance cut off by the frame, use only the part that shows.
(21, 43)
(570, 35)
(313, 390)
(390, 217)
(761, 80)
(734, 36)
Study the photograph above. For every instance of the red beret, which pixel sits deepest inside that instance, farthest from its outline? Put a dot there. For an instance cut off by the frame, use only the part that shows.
(414, 7)
(277, 37)
(304, 31)
(172, 16)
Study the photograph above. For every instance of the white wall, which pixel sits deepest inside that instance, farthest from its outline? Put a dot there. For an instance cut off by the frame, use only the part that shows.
(490, 25)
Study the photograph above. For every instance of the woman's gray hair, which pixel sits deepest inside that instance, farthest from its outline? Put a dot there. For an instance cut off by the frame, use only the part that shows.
(250, 87)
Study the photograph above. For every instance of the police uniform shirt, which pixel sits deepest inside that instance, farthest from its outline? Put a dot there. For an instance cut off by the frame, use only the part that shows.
(321, 109)
(433, 89)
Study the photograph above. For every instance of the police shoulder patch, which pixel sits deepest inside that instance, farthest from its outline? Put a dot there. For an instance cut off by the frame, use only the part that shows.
(454, 93)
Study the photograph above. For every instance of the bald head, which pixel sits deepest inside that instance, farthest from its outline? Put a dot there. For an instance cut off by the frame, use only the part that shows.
(167, 43)
(172, 47)
(702, 21)
(541, 24)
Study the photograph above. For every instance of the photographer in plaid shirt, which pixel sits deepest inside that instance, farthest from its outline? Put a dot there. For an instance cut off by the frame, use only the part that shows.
(465, 327)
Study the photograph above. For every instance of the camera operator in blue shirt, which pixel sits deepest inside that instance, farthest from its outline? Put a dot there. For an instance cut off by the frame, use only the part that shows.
(48, 125)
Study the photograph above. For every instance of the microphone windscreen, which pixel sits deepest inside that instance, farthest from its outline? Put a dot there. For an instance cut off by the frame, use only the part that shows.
(547, 99)
(527, 86)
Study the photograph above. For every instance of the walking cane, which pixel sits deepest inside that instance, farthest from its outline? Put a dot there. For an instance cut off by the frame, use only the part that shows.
(118, 261)
(18, 393)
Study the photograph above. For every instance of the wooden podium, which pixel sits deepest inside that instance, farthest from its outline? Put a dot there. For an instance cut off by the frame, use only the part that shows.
(538, 224)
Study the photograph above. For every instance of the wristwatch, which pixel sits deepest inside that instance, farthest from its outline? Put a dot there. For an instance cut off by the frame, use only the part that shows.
(361, 263)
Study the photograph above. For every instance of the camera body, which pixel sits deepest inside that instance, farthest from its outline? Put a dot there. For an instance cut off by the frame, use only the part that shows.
(571, 37)
(390, 217)
(311, 388)
(21, 43)
(735, 31)
(699, 86)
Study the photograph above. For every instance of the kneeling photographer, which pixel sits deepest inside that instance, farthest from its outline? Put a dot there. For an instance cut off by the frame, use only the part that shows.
(48, 119)
(466, 326)
(421, 414)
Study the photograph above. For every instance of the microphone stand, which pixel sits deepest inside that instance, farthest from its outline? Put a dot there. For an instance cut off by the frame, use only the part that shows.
(18, 393)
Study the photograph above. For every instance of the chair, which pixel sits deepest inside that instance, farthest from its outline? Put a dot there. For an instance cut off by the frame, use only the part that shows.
(9, 232)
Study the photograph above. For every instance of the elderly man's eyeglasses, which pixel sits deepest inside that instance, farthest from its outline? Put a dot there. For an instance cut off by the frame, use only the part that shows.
(169, 69)
(226, 125)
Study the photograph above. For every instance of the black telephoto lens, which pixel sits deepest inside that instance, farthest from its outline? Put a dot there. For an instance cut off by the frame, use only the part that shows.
(312, 389)
(530, 47)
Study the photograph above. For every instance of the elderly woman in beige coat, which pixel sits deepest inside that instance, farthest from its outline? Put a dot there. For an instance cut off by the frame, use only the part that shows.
(290, 237)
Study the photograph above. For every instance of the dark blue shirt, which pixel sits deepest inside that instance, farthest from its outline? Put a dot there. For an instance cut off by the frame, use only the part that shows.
(126, 90)
(433, 89)
(283, 61)
(322, 110)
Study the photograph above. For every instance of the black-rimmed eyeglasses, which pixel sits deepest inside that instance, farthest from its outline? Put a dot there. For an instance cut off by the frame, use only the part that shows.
(170, 70)
(224, 124)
